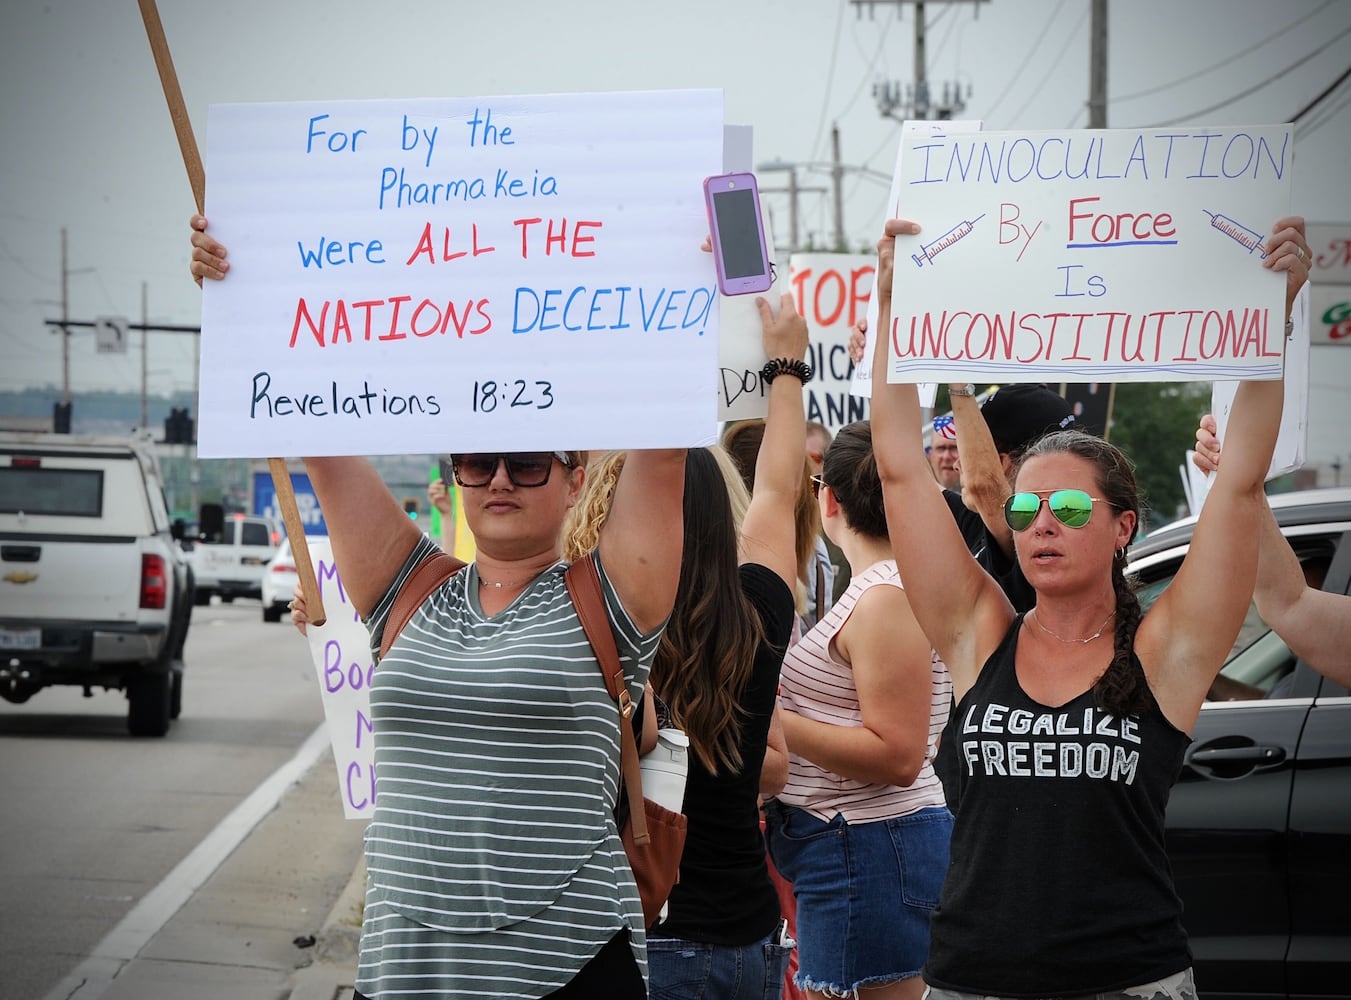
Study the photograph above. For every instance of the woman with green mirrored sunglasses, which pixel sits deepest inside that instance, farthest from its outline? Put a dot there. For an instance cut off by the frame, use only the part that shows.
(1070, 507)
(1072, 719)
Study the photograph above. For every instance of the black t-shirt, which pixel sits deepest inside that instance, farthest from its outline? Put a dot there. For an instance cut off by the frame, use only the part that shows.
(724, 895)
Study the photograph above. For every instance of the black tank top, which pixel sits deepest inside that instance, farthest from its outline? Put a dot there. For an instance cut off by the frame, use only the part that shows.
(1059, 883)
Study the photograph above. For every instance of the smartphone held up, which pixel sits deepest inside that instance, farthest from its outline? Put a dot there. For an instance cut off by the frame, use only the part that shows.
(738, 235)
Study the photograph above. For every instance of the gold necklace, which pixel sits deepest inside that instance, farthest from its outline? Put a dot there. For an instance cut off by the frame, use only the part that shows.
(1101, 628)
(501, 586)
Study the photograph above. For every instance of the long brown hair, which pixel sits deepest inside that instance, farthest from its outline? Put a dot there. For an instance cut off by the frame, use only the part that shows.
(707, 652)
(1122, 689)
(742, 442)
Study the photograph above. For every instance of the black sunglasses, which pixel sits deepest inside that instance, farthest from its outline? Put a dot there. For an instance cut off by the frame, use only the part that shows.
(524, 468)
(817, 483)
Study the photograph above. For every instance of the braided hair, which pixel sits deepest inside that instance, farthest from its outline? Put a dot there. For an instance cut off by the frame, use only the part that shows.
(1122, 690)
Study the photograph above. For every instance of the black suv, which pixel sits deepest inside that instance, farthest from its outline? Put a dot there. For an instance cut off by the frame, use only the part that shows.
(1259, 823)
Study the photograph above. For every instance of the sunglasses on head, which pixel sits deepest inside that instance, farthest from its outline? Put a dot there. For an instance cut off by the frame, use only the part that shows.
(1071, 508)
(524, 468)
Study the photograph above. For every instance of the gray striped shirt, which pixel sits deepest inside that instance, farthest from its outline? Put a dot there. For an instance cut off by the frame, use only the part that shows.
(493, 842)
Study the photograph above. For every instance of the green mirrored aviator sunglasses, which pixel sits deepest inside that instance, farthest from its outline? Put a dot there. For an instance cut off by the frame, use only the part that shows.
(1071, 508)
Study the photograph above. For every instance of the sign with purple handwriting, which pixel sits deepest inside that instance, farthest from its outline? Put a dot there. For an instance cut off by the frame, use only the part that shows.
(500, 273)
(1090, 256)
(341, 651)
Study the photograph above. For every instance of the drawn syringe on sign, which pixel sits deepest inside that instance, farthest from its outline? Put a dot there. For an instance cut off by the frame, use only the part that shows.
(1238, 233)
(932, 250)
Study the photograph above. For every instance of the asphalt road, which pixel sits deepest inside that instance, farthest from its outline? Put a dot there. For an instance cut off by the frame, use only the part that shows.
(92, 820)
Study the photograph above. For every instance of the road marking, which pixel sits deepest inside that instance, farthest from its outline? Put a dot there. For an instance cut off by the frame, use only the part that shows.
(92, 978)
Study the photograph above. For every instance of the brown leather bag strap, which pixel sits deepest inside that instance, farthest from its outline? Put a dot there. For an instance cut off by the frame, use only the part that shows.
(584, 586)
(425, 578)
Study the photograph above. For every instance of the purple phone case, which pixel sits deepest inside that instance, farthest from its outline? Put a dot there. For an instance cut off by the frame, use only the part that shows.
(748, 284)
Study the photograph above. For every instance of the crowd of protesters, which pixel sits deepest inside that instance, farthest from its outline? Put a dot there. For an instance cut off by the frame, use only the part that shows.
(981, 581)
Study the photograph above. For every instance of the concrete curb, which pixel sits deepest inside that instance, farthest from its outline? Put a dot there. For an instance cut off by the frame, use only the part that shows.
(333, 972)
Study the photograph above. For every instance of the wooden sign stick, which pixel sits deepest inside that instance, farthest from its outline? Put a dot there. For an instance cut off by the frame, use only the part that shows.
(187, 144)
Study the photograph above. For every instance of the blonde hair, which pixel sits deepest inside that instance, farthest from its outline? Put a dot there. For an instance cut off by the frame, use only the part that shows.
(581, 527)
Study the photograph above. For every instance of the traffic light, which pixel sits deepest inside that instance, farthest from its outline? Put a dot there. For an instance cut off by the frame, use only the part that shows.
(178, 427)
(61, 418)
(411, 507)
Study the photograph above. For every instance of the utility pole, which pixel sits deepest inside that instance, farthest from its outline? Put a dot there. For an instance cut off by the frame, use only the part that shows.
(913, 101)
(65, 330)
(837, 185)
(1097, 65)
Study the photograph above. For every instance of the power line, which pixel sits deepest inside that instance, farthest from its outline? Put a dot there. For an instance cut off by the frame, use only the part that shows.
(1054, 64)
(1328, 116)
(1257, 86)
(867, 73)
(1027, 60)
(1224, 63)
(830, 81)
(1328, 90)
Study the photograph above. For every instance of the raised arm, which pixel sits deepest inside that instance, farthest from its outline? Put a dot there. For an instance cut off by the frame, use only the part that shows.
(985, 484)
(1315, 625)
(641, 541)
(958, 605)
(768, 532)
(370, 533)
(1184, 639)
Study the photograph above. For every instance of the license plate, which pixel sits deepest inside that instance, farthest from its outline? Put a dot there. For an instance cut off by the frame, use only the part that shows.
(20, 638)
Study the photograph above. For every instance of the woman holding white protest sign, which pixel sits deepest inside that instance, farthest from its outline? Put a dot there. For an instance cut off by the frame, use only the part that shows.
(717, 672)
(1073, 717)
(495, 867)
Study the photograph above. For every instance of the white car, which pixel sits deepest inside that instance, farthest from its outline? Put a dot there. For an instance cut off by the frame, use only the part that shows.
(280, 578)
(231, 564)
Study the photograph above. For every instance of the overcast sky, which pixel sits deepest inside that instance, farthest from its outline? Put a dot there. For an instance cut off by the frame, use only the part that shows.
(86, 142)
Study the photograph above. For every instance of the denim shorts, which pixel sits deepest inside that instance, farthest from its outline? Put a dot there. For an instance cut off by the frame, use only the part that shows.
(864, 893)
(1178, 987)
(691, 970)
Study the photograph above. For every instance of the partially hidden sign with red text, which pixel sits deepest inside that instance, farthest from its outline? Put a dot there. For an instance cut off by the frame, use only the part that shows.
(1090, 256)
(420, 276)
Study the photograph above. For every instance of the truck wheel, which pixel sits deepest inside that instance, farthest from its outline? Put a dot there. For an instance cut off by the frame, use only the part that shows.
(175, 694)
(148, 704)
(272, 612)
(201, 597)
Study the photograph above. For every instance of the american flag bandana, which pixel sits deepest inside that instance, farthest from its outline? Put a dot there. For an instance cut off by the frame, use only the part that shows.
(944, 427)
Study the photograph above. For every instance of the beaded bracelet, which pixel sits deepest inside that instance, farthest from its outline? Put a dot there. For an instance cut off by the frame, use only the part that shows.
(786, 366)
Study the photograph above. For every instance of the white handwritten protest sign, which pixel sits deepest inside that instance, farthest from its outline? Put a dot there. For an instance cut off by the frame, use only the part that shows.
(742, 393)
(341, 651)
(832, 291)
(488, 273)
(1091, 256)
(861, 384)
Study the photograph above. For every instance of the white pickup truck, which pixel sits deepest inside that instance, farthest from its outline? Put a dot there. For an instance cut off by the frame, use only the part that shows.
(95, 590)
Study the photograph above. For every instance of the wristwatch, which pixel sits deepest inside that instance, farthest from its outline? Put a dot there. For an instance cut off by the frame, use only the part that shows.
(966, 390)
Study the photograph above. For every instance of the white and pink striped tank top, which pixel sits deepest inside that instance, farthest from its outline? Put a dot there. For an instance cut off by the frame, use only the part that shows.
(816, 685)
